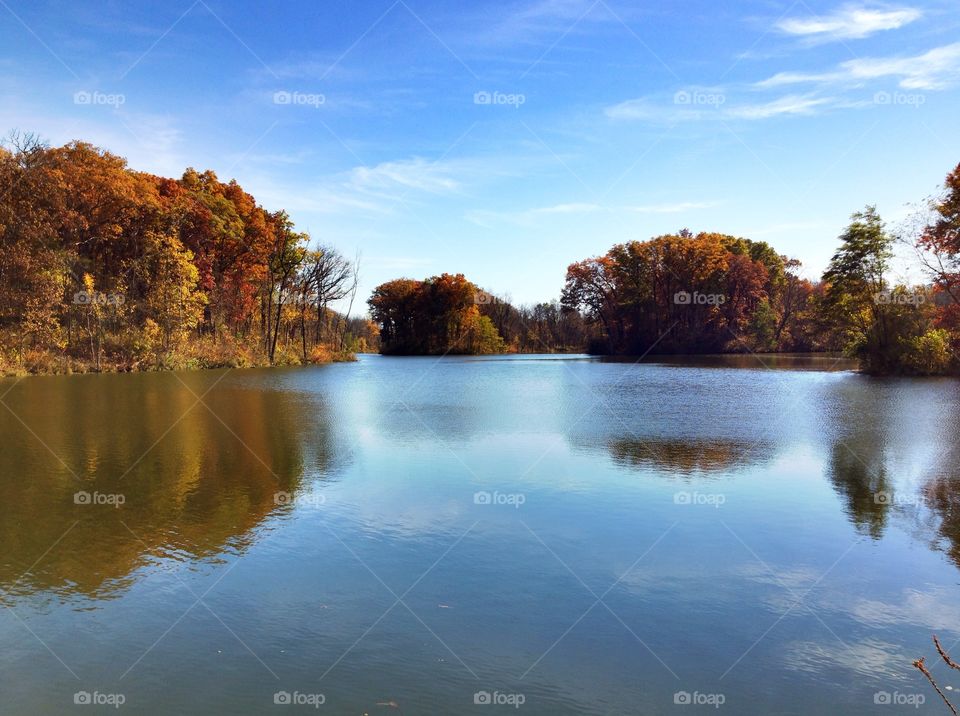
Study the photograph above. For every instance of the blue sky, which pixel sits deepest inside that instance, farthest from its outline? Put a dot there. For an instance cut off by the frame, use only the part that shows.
(506, 140)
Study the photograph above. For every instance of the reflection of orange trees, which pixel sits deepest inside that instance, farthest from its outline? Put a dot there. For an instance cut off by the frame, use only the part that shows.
(942, 495)
(199, 492)
(687, 457)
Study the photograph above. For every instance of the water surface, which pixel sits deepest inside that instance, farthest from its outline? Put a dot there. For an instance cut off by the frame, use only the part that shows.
(402, 534)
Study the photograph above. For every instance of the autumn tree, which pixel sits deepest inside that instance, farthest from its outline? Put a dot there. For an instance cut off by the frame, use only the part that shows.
(104, 267)
(681, 293)
(439, 315)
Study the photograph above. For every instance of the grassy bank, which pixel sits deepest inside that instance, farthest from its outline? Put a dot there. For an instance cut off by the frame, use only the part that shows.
(199, 355)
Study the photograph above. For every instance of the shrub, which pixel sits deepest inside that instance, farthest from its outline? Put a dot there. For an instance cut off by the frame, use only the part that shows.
(929, 354)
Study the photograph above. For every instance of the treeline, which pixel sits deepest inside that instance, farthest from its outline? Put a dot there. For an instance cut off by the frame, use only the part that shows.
(107, 268)
(448, 314)
(541, 328)
(715, 293)
(686, 293)
(103, 267)
(437, 316)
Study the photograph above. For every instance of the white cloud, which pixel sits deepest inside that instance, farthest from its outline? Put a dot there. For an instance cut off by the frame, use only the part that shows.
(574, 208)
(530, 216)
(317, 199)
(673, 208)
(416, 173)
(640, 108)
(850, 22)
(527, 23)
(935, 69)
(790, 104)
(932, 70)
(645, 109)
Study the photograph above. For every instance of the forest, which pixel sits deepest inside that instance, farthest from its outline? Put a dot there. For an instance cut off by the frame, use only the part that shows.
(688, 293)
(106, 268)
(448, 314)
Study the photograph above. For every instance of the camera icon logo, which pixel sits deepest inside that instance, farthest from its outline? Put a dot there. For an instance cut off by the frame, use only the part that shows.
(682, 298)
(483, 697)
(282, 698)
(682, 498)
(482, 498)
(682, 698)
(82, 497)
(82, 698)
(882, 497)
(883, 698)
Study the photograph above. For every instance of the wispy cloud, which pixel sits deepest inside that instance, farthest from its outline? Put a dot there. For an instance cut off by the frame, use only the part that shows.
(647, 109)
(528, 217)
(412, 174)
(850, 22)
(676, 208)
(574, 208)
(388, 186)
(529, 22)
(935, 69)
(789, 105)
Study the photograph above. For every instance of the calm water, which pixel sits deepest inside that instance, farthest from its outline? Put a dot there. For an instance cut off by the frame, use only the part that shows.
(401, 534)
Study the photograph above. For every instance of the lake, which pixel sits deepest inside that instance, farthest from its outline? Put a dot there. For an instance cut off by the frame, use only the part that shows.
(530, 534)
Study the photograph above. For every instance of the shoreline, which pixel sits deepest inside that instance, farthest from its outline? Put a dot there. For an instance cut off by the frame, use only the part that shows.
(72, 366)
